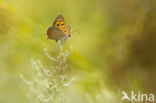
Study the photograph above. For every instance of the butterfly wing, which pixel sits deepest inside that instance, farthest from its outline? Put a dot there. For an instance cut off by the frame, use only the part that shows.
(55, 33)
(59, 29)
(61, 24)
(58, 18)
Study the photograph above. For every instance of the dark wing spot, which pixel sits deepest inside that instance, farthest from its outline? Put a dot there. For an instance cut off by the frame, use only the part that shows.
(69, 35)
(62, 24)
(58, 24)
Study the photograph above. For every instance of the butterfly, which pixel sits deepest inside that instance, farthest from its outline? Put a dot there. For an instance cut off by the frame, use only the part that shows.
(59, 29)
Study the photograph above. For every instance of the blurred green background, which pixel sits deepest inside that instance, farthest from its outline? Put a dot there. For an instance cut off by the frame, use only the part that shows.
(114, 51)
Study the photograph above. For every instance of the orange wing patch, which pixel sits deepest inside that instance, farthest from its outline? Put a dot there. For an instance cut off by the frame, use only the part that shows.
(60, 23)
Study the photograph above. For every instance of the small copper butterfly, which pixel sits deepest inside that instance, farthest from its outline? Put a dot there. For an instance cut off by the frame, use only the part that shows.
(59, 29)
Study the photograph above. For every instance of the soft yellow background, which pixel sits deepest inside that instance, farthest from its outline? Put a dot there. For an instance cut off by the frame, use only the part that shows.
(114, 51)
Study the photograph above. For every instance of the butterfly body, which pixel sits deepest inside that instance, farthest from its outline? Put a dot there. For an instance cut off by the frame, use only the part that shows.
(59, 29)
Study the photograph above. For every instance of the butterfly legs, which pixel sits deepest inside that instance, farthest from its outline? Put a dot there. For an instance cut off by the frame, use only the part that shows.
(61, 41)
